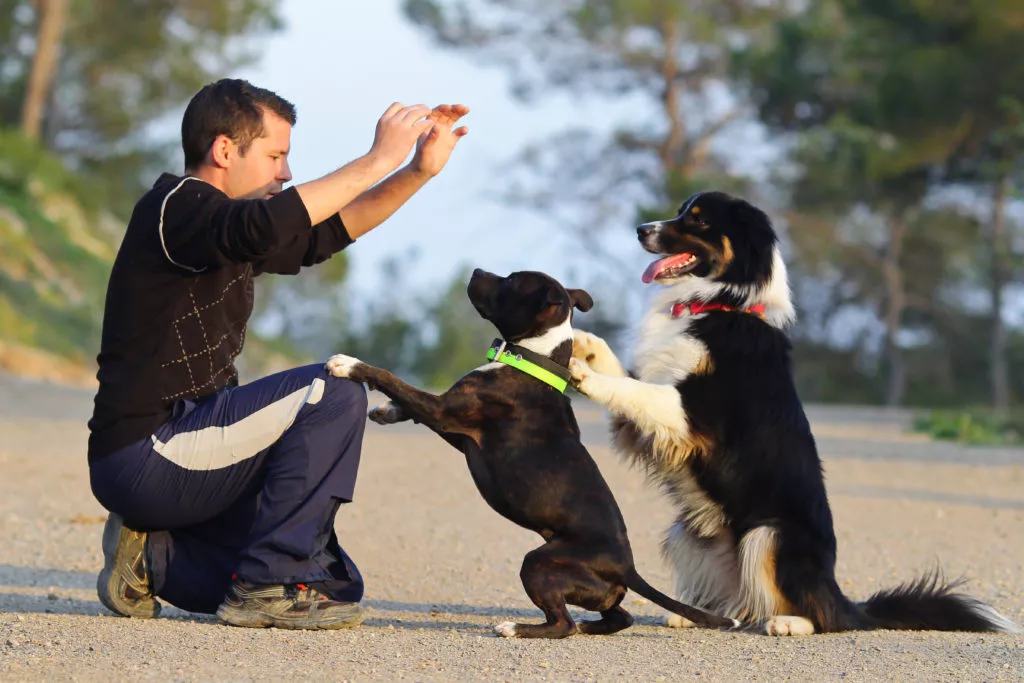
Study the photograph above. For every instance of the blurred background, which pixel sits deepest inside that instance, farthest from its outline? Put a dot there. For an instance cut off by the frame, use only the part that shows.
(884, 137)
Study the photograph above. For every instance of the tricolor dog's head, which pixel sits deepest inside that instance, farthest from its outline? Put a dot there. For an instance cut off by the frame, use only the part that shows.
(719, 248)
(526, 304)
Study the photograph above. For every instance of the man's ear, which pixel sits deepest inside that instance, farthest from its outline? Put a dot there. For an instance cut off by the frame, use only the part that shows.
(222, 151)
(580, 299)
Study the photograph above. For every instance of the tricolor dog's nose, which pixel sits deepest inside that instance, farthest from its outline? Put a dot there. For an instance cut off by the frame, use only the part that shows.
(646, 229)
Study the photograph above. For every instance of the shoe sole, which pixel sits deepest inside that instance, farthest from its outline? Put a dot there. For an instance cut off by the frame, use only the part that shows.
(106, 583)
(234, 616)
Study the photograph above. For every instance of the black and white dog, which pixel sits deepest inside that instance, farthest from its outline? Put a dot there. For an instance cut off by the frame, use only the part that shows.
(711, 412)
(522, 444)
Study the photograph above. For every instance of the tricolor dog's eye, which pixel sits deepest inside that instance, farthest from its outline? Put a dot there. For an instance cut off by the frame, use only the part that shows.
(696, 217)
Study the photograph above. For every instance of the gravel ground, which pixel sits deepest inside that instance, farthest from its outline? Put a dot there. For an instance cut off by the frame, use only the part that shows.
(442, 568)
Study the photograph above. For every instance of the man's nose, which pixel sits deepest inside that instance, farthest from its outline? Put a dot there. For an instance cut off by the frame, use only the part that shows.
(286, 172)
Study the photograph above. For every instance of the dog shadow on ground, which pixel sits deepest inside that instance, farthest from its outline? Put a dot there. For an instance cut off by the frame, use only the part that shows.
(59, 591)
(487, 616)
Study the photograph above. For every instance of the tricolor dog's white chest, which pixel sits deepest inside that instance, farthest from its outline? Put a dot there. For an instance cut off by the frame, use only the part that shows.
(666, 352)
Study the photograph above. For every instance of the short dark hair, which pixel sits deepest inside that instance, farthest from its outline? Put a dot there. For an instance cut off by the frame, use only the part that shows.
(232, 107)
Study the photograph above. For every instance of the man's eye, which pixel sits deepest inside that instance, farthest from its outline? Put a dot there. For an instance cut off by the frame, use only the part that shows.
(275, 157)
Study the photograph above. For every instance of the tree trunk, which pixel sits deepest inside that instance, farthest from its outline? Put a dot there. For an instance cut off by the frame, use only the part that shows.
(53, 16)
(997, 282)
(896, 303)
(673, 142)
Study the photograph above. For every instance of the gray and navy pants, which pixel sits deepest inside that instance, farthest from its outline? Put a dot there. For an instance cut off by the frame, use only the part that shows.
(244, 483)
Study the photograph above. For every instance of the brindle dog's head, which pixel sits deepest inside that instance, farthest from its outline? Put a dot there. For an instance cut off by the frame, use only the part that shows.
(525, 304)
(715, 237)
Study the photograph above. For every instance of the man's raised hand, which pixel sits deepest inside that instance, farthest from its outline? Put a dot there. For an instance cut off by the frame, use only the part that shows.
(398, 130)
(435, 146)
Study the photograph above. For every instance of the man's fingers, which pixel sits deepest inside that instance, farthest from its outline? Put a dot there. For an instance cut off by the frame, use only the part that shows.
(460, 131)
(418, 111)
(392, 110)
(448, 114)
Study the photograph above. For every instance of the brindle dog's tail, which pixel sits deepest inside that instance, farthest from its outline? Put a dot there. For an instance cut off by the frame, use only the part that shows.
(636, 583)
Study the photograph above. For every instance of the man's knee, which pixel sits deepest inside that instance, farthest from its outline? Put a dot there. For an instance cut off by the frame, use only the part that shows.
(345, 395)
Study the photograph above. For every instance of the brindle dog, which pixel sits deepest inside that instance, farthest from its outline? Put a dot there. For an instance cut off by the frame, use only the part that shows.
(522, 445)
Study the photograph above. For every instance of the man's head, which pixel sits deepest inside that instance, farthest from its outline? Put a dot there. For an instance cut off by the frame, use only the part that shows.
(237, 137)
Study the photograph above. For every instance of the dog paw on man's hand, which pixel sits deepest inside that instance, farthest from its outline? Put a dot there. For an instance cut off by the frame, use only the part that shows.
(387, 413)
(346, 367)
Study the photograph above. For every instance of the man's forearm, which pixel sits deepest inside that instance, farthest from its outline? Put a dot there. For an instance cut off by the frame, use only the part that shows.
(325, 196)
(376, 205)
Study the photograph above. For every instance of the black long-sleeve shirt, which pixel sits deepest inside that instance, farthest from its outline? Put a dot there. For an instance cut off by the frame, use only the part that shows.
(180, 295)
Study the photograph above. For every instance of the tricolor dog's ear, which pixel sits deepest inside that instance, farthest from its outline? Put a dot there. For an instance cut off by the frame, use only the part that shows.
(580, 299)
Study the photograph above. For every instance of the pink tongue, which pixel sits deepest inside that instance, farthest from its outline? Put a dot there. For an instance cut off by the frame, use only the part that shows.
(664, 264)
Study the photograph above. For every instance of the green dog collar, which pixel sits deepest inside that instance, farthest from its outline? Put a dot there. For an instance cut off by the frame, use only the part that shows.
(533, 364)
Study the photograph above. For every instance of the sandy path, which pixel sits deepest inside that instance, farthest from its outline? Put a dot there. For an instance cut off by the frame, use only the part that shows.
(442, 568)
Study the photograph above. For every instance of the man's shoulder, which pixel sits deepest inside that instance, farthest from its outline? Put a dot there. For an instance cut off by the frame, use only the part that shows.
(169, 196)
(168, 184)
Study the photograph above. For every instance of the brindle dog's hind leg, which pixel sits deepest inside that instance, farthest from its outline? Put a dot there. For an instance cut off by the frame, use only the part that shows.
(553, 575)
(612, 621)
(545, 581)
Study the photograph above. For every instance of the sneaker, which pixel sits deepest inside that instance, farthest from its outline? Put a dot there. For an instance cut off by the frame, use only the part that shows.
(296, 607)
(123, 585)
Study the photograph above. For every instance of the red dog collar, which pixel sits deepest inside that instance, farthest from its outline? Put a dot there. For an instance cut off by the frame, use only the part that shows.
(695, 307)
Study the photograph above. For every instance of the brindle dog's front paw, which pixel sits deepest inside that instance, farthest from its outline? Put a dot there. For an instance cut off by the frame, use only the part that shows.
(387, 414)
(344, 366)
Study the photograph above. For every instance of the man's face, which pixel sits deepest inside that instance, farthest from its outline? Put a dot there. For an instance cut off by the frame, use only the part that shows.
(263, 169)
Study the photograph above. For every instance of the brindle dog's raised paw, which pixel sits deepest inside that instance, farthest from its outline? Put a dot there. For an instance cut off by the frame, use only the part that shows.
(387, 413)
(341, 365)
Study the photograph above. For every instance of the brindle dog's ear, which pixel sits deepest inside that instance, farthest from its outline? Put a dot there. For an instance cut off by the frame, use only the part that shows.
(580, 299)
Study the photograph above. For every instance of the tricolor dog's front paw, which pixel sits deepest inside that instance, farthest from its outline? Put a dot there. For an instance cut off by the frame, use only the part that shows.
(590, 382)
(580, 372)
(344, 366)
(387, 413)
(595, 352)
(586, 346)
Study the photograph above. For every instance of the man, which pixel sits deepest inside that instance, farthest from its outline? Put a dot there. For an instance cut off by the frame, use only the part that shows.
(223, 497)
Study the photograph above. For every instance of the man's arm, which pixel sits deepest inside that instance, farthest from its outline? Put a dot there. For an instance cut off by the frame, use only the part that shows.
(397, 131)
(375, 205)
(205, 231)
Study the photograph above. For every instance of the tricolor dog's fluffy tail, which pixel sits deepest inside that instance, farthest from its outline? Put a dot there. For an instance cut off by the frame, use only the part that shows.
(636, 583)
(931, 604)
